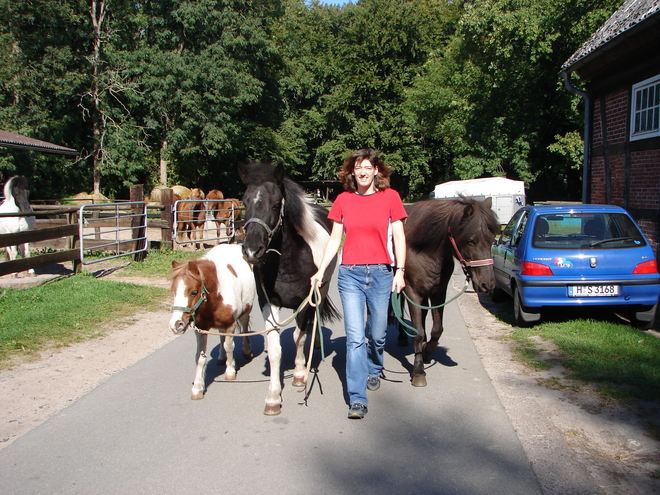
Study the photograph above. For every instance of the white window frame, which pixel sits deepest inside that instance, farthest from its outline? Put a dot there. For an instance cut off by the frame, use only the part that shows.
(642, 92)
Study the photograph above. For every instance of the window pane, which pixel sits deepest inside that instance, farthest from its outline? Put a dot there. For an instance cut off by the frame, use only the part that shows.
(643, 127)
(645, 99)
(651, 97)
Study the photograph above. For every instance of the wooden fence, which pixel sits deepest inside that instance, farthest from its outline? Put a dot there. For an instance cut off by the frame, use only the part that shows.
(62, 224)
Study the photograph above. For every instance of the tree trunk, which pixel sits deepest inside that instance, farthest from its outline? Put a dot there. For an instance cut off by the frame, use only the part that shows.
(163, 164)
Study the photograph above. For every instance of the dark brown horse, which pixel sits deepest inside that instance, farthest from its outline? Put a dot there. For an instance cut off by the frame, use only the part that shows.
(430, 228)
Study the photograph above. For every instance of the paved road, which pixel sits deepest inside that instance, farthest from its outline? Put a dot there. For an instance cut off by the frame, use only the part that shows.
(140, 433)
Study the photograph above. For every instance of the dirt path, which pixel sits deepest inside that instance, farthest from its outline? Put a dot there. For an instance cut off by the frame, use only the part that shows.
(576, 444)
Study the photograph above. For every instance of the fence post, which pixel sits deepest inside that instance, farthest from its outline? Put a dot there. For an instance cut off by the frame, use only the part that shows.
(167, 198)
(138, 229)
(74, 242)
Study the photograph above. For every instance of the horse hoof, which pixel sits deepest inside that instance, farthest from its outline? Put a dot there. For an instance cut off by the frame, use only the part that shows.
(197, 395)
(418, 381)
(272, 410)
(230, 376)
(248, 356)
(298, 381)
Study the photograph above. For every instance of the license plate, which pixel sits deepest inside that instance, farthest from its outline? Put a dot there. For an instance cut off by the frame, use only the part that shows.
(593, 290)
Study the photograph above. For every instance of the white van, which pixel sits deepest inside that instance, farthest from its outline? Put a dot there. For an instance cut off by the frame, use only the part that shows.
(508, 195)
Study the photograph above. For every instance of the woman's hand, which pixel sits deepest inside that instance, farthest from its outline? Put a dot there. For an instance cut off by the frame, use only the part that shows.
(398, 283)
(317, 277)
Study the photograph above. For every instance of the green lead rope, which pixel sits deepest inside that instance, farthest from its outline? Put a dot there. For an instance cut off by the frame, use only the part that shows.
(397, 307)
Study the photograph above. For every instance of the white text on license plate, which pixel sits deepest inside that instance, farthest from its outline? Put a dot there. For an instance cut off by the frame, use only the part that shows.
(593, 290)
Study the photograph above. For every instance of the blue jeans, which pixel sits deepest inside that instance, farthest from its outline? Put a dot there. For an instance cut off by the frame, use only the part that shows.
(361, 285)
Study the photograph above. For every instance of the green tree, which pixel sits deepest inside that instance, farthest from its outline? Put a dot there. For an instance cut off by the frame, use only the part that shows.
(208, 71)
(346, 87)
(494, 98)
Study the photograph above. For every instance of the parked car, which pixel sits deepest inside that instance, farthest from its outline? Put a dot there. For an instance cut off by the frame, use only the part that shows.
(576, 256)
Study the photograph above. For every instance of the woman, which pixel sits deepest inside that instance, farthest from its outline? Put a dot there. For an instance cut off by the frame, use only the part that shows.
(370, 214)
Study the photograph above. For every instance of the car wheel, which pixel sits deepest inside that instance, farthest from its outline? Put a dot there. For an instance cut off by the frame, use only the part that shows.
(523, 317)
(498, 295)
(643, 319)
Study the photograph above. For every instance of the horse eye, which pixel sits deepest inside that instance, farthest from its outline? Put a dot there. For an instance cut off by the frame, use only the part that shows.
(193, 293)
(276, 206)
(472, 243)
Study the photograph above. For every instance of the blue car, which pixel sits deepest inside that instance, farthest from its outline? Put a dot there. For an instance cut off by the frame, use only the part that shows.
(576, 256)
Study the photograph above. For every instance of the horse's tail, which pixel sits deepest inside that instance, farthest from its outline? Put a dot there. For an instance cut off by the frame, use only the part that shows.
(328, 310)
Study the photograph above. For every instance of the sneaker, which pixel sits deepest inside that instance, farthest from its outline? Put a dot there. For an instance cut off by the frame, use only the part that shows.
(373, 383)
(357, 411)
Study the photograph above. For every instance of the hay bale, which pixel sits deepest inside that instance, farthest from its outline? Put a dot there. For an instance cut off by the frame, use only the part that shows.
(182, 191)
(88, 199)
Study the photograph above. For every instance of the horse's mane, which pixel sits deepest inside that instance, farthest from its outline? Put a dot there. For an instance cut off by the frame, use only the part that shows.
(428, 220)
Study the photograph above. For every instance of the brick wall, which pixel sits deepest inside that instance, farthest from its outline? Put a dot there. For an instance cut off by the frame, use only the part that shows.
(644, 186)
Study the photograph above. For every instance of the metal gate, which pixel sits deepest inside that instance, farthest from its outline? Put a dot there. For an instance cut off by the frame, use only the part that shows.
(112, 230)
(196, 222)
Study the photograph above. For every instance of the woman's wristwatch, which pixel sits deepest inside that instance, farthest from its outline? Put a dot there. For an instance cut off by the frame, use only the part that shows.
(401, 268)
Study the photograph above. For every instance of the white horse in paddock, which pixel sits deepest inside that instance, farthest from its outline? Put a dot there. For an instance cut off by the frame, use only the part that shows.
(16, 201)
(213, 293)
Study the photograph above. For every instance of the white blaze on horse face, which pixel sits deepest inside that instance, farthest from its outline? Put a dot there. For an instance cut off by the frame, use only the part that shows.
(257, 197)
(180, 300)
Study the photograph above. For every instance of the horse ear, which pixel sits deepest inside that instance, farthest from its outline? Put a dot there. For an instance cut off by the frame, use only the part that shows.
(468, 211)
(175, 264)
(279, 172)
(192, 267)
(488, 203)
(242, 172)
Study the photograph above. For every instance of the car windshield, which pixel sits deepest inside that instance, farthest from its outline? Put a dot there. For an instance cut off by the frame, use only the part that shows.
(586, 231)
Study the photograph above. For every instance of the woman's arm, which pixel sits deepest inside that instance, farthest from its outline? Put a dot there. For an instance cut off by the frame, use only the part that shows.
(399, 238)
(331, 248)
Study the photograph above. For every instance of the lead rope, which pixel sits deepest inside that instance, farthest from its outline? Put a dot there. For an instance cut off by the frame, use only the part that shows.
(397, 306)
(314, 300)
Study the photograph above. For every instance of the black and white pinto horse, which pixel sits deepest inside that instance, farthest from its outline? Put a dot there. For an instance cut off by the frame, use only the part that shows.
(285, 236)
(16, 201)
(437, 231)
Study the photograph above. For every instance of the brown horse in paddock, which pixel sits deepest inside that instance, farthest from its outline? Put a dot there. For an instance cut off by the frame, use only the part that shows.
(191, 216)
(215, 292)
(223, 210)
(437, 231)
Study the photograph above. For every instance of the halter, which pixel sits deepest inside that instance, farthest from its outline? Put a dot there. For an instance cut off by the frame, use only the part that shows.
(196, 306)
(466, 264)
(270, 232)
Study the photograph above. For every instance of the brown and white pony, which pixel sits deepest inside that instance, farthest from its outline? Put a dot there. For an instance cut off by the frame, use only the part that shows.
(191, 216)
(214, 292)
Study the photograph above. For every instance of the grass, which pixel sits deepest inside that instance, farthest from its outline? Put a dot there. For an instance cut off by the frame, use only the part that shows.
(67, 310)
(158, 263)
(622, 361)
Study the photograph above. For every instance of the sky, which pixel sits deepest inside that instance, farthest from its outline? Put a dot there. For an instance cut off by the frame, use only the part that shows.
(335, 2)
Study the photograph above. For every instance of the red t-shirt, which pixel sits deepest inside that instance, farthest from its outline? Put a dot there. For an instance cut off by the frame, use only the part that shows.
(366, 221)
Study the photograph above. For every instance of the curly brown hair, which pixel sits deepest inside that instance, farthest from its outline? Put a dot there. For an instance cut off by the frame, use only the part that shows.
(382, 179)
